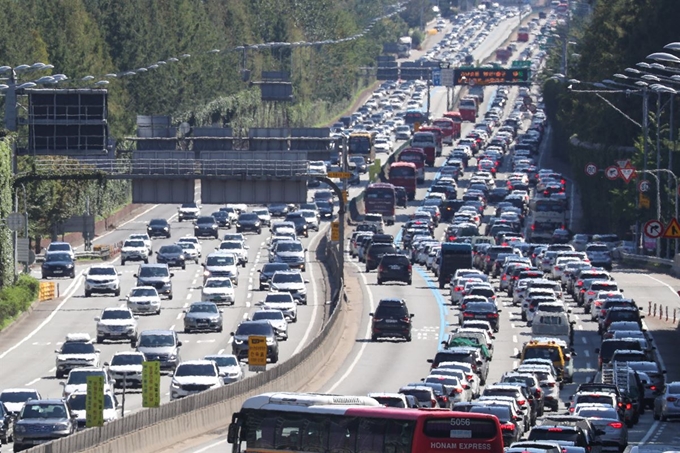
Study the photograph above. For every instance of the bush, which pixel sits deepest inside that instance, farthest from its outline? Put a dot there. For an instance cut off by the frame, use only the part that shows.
(17, 298)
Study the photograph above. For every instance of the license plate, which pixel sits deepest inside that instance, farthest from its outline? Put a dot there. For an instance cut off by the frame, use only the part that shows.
(58, 271)
(395, 266)
(391, 321)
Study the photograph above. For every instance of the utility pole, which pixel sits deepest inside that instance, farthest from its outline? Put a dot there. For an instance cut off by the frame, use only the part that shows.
(645, 133)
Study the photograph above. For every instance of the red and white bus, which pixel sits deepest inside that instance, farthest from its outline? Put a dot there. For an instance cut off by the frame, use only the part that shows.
(439, 137)
(404, 174)
(447, 127)
(314, 423)
(381, 198)
(416, 156)
(457, 121)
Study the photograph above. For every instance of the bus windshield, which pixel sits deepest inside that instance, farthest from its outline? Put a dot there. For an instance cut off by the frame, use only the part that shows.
(359, 144)
(402, 172)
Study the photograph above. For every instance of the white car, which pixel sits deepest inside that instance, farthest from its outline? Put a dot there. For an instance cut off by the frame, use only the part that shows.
(312, 218)
(194, 376)
(194, 240)
(264, 215)
(134, 250)
(61, 247)
(383, 145)
(102, 278)
(230, 369)
(126, 369)
(283, 302)
(14, 399)
(317, 168)
(144, 237)
(116, 324)
(190, 251)
(76, 402)
(188, 211)
(219, 290)
(77, 380)
(221, 264)
(144, 300)
(276, 319)
(237, 248)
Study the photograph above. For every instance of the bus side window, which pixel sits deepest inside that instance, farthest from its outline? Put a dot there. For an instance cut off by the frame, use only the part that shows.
(343, 435)
(288, 431)
(314, 436)
(260, 431)
(370, 436)
(399, 436)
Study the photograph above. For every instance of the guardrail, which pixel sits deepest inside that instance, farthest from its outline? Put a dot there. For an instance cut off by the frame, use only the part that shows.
(103, 252)
(47, 291)
(646, 259)
(191, 416)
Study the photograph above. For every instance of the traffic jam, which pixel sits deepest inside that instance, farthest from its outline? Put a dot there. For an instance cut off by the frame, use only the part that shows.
(492, 234)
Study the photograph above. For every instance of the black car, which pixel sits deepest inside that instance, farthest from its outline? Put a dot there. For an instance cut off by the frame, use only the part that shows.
(483, 311)
(278, 209)
(394, 268)
(206, 226)
(58, 264)
(391, 319)
(267, 272)
(172, 255)
(239, 347)
(222, 219)
(300, 223)
(249, 221)
(401, 196)
(158, 228)
(6, 425)
(325, 209)
(375, 252)
(497, 194)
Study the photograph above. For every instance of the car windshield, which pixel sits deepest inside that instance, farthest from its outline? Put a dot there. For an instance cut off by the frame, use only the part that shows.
(116, 314)
(289, 246)
(254, 328)
(221, 361)
(135, 244)
(154, 271)
(390, 311)
(158, 222)
(275, 315)
(287, 277)
(77, 402)
(273, 267)
(278, 298)
(249, 217)
(17, 397)
(222, 260)
(550, 353)
(127, 359)
(420, 395)
(143, 292)
(44, 410)
(218, 283)
(56, 247)
(598, 413)
(156, 340)
(203, 308)
(78, 377)
(77, 347)
(554, 434)
(674, 389)
(192, 369)
(101, 271)
(170, 249)
(309, 214)
(205, 220)
(57, 257)
(501, 412)
(187, 245)
(230, 245)
(390, 401)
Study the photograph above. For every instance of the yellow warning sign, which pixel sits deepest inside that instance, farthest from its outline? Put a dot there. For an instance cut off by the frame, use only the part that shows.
(672, 231)
(335, 231)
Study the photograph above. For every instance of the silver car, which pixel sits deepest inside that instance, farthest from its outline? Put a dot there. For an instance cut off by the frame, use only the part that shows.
(667, 405)
(230, 369)
(606, 419)
(203, 316)
(276, 319)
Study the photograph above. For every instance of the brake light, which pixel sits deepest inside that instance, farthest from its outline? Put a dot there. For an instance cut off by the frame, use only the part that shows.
(469, 377)
(433, 403)
(492, 315)
(652, 387)
(533, 227)
(458, 288)
(671, 399)
(459, 390)
(538, 392)
(468, 315)
(590, 293)
(571, 409)
(377, 319)
(508, 426)
(555, 430)
(410, 267)
(604, 312)
(557, 268)
(579, 283)
(406, 319)
(551, 384)
(629, 406)
(521, 402)
(381, 269)
(505, 277)
(616, 425)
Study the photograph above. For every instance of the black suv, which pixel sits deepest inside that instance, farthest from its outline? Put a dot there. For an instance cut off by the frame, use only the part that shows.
(391, 319)
(206, 226)
(300, 223)
(222, 219)
(394, 267)
(249, 221)
(375, 253)
(258, 328)
(58, 264)
(172, 255)
(158, 228)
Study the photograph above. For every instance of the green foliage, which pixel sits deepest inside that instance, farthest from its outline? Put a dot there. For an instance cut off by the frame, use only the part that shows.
(6, 249)
(15, 299)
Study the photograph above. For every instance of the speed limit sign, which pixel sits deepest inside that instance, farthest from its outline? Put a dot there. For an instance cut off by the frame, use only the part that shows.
(591, 169)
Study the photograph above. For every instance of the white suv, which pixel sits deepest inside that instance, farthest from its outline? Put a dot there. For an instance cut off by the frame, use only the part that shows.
(143, 237)
(134, 250)
(116, 324)
(102, 278)
(194, 376)
(194, 240)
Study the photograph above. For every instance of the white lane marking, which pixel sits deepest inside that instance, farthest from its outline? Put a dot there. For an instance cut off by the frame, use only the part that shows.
(189, 296)
(212, 340)
(366, 336)
(571, 208)
(247, 304)
(69, 294)
(245, 315)
(250, 287)
(576, 317)
(512, 325)
(315, 298)
(220, 351)
(249, 295)
(28, 384)
(514, 364)
(231, 340)
(586, 353)
(210, 446)
(649, 432)
(179, 315)
(514, 338)
(172, 327)
(193, 282)
(584, 340)
(53, 369)
(515, 352)
(580, 327)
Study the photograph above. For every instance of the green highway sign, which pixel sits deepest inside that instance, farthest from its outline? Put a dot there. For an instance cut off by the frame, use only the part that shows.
(521, 64)
(488, 76)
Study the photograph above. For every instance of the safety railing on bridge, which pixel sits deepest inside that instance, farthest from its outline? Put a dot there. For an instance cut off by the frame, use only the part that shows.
(227, 168)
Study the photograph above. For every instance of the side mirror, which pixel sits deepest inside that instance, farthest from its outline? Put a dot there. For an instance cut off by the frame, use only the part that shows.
(231, 333)
(98, 351)
(597, 350)
(305, 250)
(172, 274)
(621, 290)
(107, 364)
(136, 316)
(642, 316)
(97, 318)
(569, 311)
(430, 361)
(370, 314)
(62, 383)
(221, 310)
(120, 273)
(184, 311)
(412, 315)
(246, 247)
(499, 311)
(259, 270)
(306, 281)
(134, 275)
(179, 343)
(202, 264)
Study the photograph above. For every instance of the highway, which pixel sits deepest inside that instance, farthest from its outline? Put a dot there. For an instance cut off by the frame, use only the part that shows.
(27, 355)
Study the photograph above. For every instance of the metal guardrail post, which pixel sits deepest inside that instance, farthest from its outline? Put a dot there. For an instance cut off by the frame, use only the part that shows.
(649, 310)
(666, 312)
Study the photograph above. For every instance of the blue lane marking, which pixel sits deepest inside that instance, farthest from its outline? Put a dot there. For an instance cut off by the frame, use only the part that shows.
(442, 305)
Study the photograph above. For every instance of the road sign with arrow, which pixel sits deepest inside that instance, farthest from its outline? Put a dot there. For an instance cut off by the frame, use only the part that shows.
(653, 229)
(612, 172)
